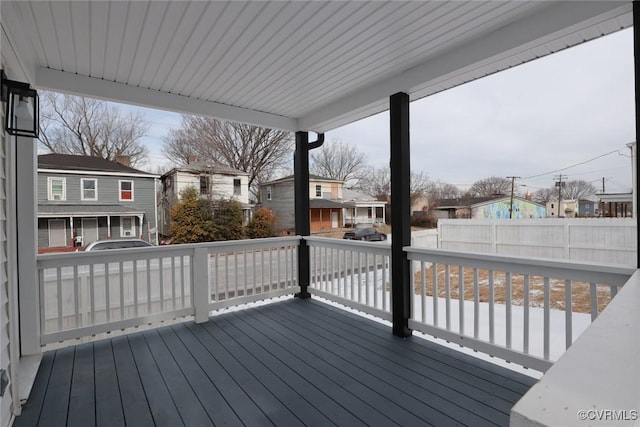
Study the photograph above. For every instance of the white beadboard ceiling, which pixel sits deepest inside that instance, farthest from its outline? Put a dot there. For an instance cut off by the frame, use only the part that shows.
(293, 65)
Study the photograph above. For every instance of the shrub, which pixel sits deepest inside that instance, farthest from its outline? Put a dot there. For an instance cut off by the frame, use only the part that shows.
(262, 224)
(227, 215)
(426, 221)
(191, 219)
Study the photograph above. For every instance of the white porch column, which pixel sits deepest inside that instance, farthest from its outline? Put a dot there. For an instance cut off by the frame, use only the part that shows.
(141, 234)
(27, 228)
(108, 226)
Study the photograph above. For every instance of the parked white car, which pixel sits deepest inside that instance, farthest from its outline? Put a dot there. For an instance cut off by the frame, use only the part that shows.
(100, 245)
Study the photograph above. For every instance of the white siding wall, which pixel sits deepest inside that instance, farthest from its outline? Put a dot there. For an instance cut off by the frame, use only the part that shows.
(5, 401)
(222, 185)
(600, 240)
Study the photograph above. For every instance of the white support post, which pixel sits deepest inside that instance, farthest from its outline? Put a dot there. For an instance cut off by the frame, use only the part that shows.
(494, 237)
(567, 240)
(140, 221)
(201, 293)
(27, 245)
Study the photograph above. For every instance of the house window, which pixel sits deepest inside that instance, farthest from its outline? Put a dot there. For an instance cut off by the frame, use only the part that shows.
(57, 188)
(236, 187)
(126, 190)
(269, 193)
(204, 184)
(127, 226)
(89, 189)
(318, 190)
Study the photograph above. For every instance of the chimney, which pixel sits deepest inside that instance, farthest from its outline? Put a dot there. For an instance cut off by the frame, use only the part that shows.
(528, 196)
(123, 159)
(192, 159)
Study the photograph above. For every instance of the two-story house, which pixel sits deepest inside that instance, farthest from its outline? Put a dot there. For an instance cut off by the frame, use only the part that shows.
(330, 206)
(84, 198)
(213, 181)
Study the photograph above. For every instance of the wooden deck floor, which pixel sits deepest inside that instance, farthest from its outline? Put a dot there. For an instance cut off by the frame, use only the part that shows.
(285, 364)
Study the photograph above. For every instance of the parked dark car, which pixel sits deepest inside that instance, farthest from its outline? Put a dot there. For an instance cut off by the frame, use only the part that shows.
(369, 234)
(100, 245)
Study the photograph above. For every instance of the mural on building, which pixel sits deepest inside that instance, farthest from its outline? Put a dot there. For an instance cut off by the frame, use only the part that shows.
(500, 210)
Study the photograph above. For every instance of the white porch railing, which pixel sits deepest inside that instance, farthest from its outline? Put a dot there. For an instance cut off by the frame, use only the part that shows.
(596, 381)
(543, 305)
(88, 293)
(526, 311)
(355, 274)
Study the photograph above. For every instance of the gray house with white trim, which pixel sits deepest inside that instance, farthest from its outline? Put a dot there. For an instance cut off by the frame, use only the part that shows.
(84, 198)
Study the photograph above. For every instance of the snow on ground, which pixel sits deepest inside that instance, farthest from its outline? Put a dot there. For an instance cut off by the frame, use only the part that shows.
(557, 320)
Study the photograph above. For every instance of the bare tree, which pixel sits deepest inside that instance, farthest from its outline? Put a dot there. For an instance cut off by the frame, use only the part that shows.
(337, 160)
(86, 126)
(377, 183)
(490, 186)
(578, 189)
(443, 190)
(254, 150)
(544, 195)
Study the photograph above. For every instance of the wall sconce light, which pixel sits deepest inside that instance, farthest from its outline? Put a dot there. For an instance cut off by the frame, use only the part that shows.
(22, 108)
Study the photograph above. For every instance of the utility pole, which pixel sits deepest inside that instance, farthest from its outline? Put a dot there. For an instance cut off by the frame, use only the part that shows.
(603, 185)
(560, 184)
(513, 182)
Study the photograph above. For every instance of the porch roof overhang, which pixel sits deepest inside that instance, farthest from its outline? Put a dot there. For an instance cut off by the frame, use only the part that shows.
(295, 66)
(615, 197)
(75, 210)
(326, 204)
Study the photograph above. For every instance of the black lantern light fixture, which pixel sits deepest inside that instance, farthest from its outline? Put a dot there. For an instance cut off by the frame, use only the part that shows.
(22, 108)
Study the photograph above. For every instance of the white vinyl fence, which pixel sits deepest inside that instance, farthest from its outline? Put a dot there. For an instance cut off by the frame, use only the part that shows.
(600, 240)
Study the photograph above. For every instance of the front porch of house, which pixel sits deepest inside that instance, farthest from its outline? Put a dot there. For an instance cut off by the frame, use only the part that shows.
(295, 359)
(294, 362)
(299, 361)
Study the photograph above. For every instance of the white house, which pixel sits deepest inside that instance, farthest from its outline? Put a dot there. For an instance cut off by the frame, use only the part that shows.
(362, 208)
(213, 181)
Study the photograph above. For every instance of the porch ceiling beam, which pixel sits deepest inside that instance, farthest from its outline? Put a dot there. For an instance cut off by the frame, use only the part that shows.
(61, 81)
(503, 48)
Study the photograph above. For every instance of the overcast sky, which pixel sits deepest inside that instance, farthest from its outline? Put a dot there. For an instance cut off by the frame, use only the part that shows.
(543, 116)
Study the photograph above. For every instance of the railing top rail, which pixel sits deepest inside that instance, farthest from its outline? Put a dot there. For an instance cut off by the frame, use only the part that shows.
(379, 248)
(247, 243)
(589, 272)
(69, 259)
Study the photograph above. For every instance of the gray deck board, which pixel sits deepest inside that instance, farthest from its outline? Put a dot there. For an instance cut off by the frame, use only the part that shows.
(56, 400)
(134, 401)
(82, 398)
(296, 362)
(107, 393)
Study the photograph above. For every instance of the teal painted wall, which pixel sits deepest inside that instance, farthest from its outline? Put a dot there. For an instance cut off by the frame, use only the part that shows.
(500, 210)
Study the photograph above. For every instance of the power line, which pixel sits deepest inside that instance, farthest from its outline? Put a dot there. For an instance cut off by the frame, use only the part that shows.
(574, 165)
